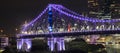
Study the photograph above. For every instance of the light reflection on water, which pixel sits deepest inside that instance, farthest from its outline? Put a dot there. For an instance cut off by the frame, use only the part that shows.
(113, 48)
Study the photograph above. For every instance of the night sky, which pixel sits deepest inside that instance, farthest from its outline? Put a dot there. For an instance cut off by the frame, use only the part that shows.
(13, 13)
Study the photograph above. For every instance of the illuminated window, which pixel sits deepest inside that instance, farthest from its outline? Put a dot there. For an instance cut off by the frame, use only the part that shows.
(116, 10)
(94, 4)
(112, 5)
(90, 1)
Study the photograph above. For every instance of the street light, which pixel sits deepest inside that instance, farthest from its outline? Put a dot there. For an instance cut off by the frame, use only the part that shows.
(1, 31)
(16, 29)
(75, 24)
(88, 40)
(103, 39)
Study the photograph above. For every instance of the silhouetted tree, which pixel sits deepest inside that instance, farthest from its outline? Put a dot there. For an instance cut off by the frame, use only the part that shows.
(77, 44)
(40, 46)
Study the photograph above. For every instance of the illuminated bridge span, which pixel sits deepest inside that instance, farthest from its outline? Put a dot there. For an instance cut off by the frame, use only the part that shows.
(66, 23)
(63, 34)
(65, 20)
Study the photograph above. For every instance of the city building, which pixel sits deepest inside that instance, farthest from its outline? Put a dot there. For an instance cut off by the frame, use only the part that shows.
(4, 41)
(104, 9)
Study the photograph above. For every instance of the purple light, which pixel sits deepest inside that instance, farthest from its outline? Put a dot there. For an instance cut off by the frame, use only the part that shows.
(59, 47)
(74, 15)
(21, 42)
(59, 41)
(69, 11)
(77, 31)
(52, 46)
(52, 41)
(50, 29)
(86, 18)
(70, 14)
(29, 44)
(63, 45)
(35, 19)
(49, 44)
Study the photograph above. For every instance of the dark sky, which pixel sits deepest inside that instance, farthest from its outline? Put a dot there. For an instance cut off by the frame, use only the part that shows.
(13, 13)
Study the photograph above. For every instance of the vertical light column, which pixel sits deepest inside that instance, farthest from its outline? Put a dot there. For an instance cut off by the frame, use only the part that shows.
(19, 44)
(58, 44)
(24, 43)
(50, 40)
(62, 43)
(49, 43)
(29, 44)
(52, 46)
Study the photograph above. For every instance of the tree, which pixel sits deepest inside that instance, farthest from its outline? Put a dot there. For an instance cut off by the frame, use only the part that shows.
(95, 48)
(78, 45)
(92, 47)
(39, 46)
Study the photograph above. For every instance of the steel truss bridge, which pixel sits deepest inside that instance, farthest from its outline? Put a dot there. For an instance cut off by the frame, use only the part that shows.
(65, 23)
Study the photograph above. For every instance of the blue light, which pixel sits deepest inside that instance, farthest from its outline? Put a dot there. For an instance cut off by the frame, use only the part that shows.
(49, 7)
(63, 11)
(50, 12)
(50, 29)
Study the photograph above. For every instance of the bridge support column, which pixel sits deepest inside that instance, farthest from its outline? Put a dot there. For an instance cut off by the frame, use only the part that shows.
(62, 44)
(51, 43)
(24, 44)
(56, 43)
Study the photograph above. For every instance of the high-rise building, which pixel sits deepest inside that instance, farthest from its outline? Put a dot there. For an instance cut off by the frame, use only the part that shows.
(93, 8)
(115, 9)
(103, 9)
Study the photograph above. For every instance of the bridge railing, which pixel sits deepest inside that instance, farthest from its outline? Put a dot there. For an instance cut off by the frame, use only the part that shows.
(33, 33)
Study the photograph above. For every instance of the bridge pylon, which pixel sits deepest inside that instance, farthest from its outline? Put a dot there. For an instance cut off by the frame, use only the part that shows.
(53, 42)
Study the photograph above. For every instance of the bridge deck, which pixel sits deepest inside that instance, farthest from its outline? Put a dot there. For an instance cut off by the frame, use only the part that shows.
(71, 34)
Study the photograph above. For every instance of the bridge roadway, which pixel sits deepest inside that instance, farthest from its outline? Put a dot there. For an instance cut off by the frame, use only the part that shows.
(77, 33)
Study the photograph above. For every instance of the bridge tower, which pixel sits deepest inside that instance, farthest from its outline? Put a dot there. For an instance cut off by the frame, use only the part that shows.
(54, 43)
